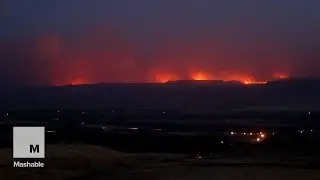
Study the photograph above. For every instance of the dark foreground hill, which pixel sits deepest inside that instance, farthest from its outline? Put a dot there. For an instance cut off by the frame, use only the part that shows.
(68, 162)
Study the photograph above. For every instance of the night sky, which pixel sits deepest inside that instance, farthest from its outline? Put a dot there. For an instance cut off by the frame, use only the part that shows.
(81, 41)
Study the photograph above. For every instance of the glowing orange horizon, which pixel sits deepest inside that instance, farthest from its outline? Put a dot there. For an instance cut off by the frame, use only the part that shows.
(79, 81)
(164, 77)
(200, 76)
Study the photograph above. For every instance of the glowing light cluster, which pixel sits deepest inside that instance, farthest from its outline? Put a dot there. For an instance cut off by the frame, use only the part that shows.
(254, 82)
(279, 75)
(261, 137)
(255, 137)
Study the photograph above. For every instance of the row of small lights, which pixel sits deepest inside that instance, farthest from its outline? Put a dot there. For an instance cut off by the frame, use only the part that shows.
(163, 112)
(58, 111)
(260, 137)
(301, 131)
(235, 133)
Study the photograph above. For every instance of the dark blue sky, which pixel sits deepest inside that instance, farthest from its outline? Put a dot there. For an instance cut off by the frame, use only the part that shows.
(247, 34)
(173, 16)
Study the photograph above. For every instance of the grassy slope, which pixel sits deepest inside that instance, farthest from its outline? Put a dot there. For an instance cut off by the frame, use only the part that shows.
(92, 162)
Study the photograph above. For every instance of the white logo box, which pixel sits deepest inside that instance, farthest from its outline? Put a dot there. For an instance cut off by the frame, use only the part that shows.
(28, 142)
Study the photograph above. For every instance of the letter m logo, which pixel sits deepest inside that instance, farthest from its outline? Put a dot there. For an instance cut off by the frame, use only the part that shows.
(34, 148)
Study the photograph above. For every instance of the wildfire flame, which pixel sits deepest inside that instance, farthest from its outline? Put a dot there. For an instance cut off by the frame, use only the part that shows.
(79, 81)
(161, 76)
(200, 76)
(165, 77)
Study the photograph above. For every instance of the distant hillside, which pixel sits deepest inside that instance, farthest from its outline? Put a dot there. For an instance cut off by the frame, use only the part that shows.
(188, 96)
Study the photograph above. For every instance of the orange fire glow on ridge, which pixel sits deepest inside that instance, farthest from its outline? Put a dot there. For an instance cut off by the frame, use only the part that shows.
(164, 77)
(103, 56)
(90, 59)
(204, 76)
(78, 81)
(200, 76)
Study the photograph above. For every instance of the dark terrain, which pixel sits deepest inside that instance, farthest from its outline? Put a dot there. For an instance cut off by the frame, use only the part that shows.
(204, 126)
(182, 96)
